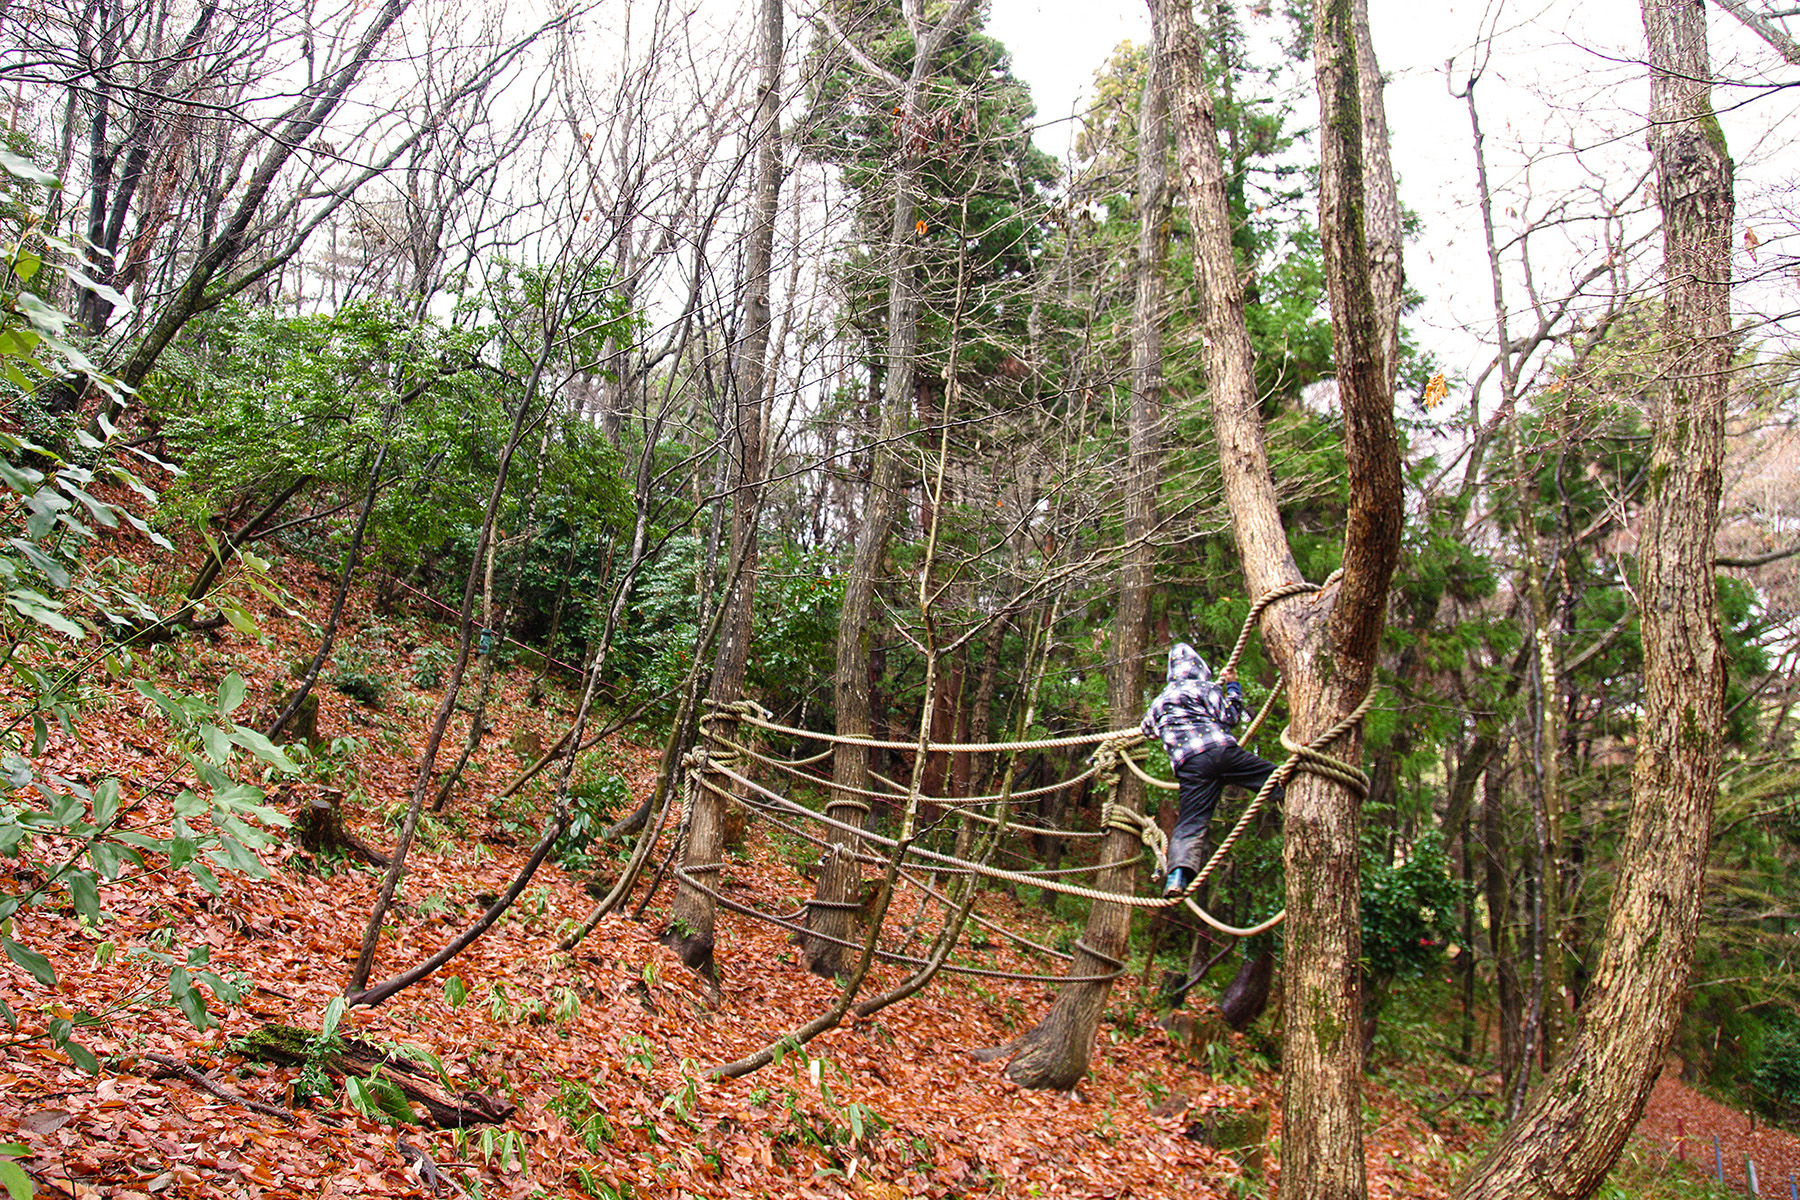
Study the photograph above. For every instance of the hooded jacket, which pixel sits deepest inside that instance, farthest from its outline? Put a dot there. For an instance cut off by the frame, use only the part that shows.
(1192, 713)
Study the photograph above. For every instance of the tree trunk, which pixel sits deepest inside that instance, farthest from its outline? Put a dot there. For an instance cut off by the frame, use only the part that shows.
(434, 738)
(1327, 645)
(691, 926)
(353, 553)
(1056, 1053)
(835, 914)
(1576, 1123)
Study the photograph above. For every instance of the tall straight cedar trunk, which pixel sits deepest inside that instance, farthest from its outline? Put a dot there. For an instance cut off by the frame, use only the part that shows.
(835, 908)
(1574, 1125)
(691, 924)
(1055, 1053)
(1326, 643)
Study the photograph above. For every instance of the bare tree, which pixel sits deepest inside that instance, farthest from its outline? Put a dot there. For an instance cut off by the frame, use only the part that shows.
(692, 920)
(1057, 1051)
(835, 895)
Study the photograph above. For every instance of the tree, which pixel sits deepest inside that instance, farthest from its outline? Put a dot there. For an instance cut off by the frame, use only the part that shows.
(1572, 1131)
(1326, 644)
(692, 919)
(835, 918)
(1056, 1052)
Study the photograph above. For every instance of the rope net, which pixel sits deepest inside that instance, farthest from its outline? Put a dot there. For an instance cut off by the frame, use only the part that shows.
(744, 771)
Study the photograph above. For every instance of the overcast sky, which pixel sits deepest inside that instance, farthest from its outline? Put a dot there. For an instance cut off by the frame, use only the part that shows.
(1562, 96)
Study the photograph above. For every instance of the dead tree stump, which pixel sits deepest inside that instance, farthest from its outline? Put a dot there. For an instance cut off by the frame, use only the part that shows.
(319, 827)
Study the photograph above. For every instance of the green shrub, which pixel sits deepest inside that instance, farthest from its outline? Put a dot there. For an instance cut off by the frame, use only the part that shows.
(593, 804)
(364, 689)
(430, 663)
(1776, 1076)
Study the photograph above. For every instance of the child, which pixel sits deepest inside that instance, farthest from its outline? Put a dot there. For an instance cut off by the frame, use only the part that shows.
(1194, 717)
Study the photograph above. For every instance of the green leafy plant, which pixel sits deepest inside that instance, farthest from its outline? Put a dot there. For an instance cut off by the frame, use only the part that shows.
(574, 1104)
(593, 803)
(64, 616)
(430, 663)
(12, 1176)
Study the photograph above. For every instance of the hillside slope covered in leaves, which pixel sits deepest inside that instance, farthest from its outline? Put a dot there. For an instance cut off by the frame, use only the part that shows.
(599, 1055)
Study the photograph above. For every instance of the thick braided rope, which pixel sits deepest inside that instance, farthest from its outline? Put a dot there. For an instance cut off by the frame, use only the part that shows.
(1307, 757)
(949, 802)
(763, 812)
(1029, 879)
(1080, 739)
(723, 901)
(1041, 878)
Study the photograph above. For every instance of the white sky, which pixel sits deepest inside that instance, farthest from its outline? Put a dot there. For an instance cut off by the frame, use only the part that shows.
(1564, 85)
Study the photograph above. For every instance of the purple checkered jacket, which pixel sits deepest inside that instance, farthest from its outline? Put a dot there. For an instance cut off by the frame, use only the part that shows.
(1192, 713)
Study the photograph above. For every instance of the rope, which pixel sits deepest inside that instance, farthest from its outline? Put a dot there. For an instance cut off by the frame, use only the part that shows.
(845, 739)
(951, 863)
(1113, 751)
(894, 956)
(1020, 877)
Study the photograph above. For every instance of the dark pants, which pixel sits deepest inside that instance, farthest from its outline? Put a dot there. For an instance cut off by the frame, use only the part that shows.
(1202, 777)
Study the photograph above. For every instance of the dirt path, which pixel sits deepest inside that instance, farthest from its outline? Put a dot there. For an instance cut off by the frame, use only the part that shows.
(1685, 1123)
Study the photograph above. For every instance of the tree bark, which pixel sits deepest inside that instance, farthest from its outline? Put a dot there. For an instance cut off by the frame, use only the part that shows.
(1056, 1052)
(1572, 1131)
(839, 877)
(1327, 645)
(691, 925)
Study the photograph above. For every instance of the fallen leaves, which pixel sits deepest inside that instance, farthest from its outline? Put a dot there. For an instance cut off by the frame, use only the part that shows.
(604, 1050)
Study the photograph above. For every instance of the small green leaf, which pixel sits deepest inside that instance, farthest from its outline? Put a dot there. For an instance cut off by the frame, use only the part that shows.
(106, 801)
(43, 615)
(31, 960)
(334, 1012)
(23, 480)
(25, 264)
(20, 167)
(360, 1097)
(84, 895)
(231, 693)
(217, 743)
(170, 709)
(13, 1176)
(237, 618)
(110, 295)
(188, 998)
(82, 1057)
(50, 320)
(242, 858)
(264, 749)
(204, 875)
(456, 991)
(52, 570)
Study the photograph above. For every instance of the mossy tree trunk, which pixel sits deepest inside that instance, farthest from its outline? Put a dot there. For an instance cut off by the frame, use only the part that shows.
(1326, 643)
(1575, 1124)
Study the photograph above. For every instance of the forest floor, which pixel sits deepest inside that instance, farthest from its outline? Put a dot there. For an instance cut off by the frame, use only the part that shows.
(1683, 1124)
(603, 1051)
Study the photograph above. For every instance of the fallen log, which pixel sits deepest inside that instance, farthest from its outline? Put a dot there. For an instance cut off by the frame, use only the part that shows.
(290, 1045)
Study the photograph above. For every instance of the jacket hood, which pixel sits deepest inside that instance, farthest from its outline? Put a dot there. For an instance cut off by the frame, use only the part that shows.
(1185, 664)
